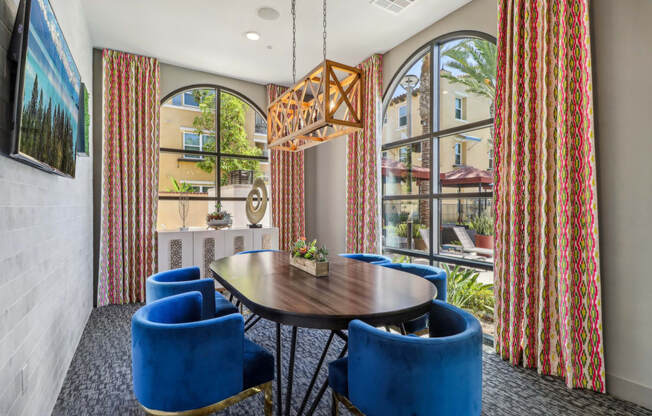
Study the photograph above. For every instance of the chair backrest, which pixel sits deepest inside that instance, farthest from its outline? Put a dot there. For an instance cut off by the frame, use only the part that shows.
(181, 362)
(257, 251)
(464, 237)
(177, 281)
(417, 376)
(367, 257)
(435, 275)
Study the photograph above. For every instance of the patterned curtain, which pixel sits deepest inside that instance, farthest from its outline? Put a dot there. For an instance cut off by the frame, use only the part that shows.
(361, 201)
(129, 177)
(548, 302)
(287, 189)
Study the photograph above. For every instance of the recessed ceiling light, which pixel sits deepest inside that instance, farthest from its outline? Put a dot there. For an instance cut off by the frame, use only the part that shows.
(252, 35)
(267, 13)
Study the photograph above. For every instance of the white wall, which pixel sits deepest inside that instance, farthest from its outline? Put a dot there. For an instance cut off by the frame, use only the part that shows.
(45, 250)
(622, 60)
(175, 77)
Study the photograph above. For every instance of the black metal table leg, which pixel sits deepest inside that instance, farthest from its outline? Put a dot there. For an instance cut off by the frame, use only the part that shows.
(248, 327)
(288, 394)
(323, 387)
(315, 374)
(279, 373)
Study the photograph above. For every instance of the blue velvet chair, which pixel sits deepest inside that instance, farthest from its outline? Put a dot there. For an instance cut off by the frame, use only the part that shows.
(174, 282)
(368, 258)
(258, 251)
(388, 374)
(184, 364)
(435, 275)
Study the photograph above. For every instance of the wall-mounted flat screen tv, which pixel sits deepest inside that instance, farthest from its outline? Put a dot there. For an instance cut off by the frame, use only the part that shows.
(47, 92)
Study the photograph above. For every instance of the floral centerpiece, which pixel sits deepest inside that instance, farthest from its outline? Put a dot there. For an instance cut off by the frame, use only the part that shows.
(309, 257)
(219, 218)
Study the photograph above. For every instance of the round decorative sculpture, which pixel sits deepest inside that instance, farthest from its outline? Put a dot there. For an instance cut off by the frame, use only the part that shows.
(256, 202)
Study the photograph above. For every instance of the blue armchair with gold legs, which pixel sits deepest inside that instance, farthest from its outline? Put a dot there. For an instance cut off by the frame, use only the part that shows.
(434, 275)
(185, 365)
(187, 279)
(388, 374)
(367, 258)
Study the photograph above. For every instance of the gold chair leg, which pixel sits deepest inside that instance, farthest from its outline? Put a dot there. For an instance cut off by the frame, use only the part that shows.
(334, 406)
(269, 404)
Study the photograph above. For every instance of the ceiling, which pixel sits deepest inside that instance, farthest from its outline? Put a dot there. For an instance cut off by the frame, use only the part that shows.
(208, 35)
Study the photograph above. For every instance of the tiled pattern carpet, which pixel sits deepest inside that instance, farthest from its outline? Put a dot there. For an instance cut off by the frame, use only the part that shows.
(99, 379)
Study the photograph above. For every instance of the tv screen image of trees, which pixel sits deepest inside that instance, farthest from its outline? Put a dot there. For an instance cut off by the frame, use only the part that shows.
(51, 87)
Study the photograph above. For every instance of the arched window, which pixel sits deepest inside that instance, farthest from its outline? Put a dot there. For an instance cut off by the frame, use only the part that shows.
(437, 179)
(196, 171)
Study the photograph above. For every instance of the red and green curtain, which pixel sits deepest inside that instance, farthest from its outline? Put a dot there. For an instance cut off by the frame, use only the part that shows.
(362, 174)
(547, 275)
(287, 188)
(130, 149)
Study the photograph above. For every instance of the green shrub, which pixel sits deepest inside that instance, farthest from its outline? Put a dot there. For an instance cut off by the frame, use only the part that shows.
(464, 291)
(482, 224)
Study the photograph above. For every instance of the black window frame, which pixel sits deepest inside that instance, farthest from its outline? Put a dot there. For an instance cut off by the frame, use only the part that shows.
(434, 47)
(217, 154)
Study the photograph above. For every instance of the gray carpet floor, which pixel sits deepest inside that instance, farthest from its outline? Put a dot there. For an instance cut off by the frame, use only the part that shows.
(99, 379)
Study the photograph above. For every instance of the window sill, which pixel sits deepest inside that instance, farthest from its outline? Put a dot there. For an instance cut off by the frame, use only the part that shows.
(190, 159)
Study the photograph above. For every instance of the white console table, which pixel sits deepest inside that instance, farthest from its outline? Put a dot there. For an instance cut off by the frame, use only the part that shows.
(200, 246)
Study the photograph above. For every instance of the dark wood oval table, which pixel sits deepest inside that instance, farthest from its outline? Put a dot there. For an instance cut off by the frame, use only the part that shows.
(271, 288)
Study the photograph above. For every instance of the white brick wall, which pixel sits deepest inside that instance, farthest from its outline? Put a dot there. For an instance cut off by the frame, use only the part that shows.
(46, 250)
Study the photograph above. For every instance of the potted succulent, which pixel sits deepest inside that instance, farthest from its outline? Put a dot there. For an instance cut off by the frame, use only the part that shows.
(483, 225)
(309, 257)
(219, 219)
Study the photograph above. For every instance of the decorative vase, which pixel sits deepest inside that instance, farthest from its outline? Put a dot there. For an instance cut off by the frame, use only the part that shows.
(315, 268)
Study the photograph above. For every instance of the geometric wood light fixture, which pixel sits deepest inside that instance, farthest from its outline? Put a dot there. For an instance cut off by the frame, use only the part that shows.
(325, 104)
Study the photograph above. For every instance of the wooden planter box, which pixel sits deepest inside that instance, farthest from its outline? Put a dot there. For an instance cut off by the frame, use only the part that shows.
(310, 266)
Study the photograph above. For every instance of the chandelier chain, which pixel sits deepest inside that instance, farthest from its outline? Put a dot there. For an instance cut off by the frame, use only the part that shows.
(294, 41)
(324, 6)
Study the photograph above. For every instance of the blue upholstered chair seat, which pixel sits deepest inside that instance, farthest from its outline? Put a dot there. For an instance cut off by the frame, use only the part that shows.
(265, 250)
(416, 325)
(184, 280)
(338, 376)
(223, 306)
(434, 275)
(182, 362)
(367, 258)
(258, 365)
(388, 374)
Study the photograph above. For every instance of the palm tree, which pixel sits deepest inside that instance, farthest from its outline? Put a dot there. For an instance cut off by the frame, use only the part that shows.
(472, 63)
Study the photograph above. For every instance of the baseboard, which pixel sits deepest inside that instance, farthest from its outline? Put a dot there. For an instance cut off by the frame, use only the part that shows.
(629, 390)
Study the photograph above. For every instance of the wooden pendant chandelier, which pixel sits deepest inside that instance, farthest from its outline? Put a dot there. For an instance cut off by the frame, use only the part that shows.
(325, 104)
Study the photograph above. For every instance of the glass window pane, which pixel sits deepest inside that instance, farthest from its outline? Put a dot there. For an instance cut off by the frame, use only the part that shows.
(170, 213)
(465, 162)
(176, 120)
(179, 173)
(191, 99)
(177, 100)
(238, 128)
(406, 169)
(403, 117)
(399, 217)
(467, 228)
(242, 172)
(190, 139)
(467, 81)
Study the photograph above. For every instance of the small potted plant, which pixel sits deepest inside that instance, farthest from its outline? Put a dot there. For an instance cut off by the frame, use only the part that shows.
(483, 225)
(309, 257)
(219, 219)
